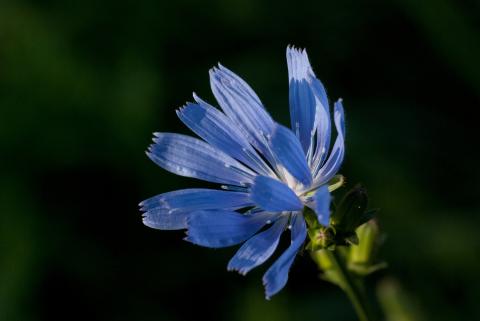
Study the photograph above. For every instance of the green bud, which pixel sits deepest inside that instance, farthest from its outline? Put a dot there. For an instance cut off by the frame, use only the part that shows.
(362, 256)
(352, 211)
(321, 238)
(367, 235)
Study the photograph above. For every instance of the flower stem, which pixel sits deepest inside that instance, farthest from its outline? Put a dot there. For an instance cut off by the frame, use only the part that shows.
(336, 271)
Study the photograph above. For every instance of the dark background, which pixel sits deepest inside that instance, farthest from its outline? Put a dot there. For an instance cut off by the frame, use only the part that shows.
(83, 84)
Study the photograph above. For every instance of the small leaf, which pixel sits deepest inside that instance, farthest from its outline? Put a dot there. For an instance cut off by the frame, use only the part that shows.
(310, 218)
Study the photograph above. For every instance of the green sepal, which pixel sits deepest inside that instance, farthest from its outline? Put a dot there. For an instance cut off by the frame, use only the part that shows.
(310, 218)
(362, 257)
(321, 238)
(345, 219)
(336, 182)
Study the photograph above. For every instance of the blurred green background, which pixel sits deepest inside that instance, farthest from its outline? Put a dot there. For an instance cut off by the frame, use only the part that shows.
(83, 84)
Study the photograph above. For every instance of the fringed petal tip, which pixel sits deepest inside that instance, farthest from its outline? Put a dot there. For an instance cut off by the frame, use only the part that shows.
(196, 101)
(147, 222)
(241, 271)
(214, 71)
(187, 237)
(192, 157)
(269, 292)
(296, 50)
(223, 75)
(162, 219)
(298, 64)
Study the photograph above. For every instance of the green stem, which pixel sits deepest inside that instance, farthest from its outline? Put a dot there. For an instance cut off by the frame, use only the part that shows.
(345, 280)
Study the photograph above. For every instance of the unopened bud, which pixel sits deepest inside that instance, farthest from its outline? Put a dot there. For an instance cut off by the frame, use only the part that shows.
(367, 243)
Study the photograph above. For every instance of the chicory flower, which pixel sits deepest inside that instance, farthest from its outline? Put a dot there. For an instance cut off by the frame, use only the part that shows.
(268, 173)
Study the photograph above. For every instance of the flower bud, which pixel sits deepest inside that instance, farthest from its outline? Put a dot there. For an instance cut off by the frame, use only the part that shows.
(367, 240)
(362, 256)
(351, 212)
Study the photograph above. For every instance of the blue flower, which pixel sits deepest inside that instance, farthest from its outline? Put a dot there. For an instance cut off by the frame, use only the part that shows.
(268, 172)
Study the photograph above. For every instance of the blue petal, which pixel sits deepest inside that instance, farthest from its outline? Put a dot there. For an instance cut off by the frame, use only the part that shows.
(164, 219)
(258, 249)
(302, 107)
(289, 154)
(301, 97)
(191, 157)
(169, 211)
(322, 199)
(242, 105)
(322, 120)
(319, 91)
(299, 68)
(273, 195)
(197, 199)
(219, 131)
(308, 99)
(323, 136)
(224, 228)
(277, 275)
(332, 165)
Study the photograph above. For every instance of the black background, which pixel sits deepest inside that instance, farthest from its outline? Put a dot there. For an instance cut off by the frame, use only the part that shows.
(83, 84)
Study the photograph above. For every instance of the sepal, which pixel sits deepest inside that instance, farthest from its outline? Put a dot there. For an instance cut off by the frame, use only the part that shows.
(320, 237)
(336, 182)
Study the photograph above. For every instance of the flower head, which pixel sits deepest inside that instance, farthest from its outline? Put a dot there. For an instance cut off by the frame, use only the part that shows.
(268, 173)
